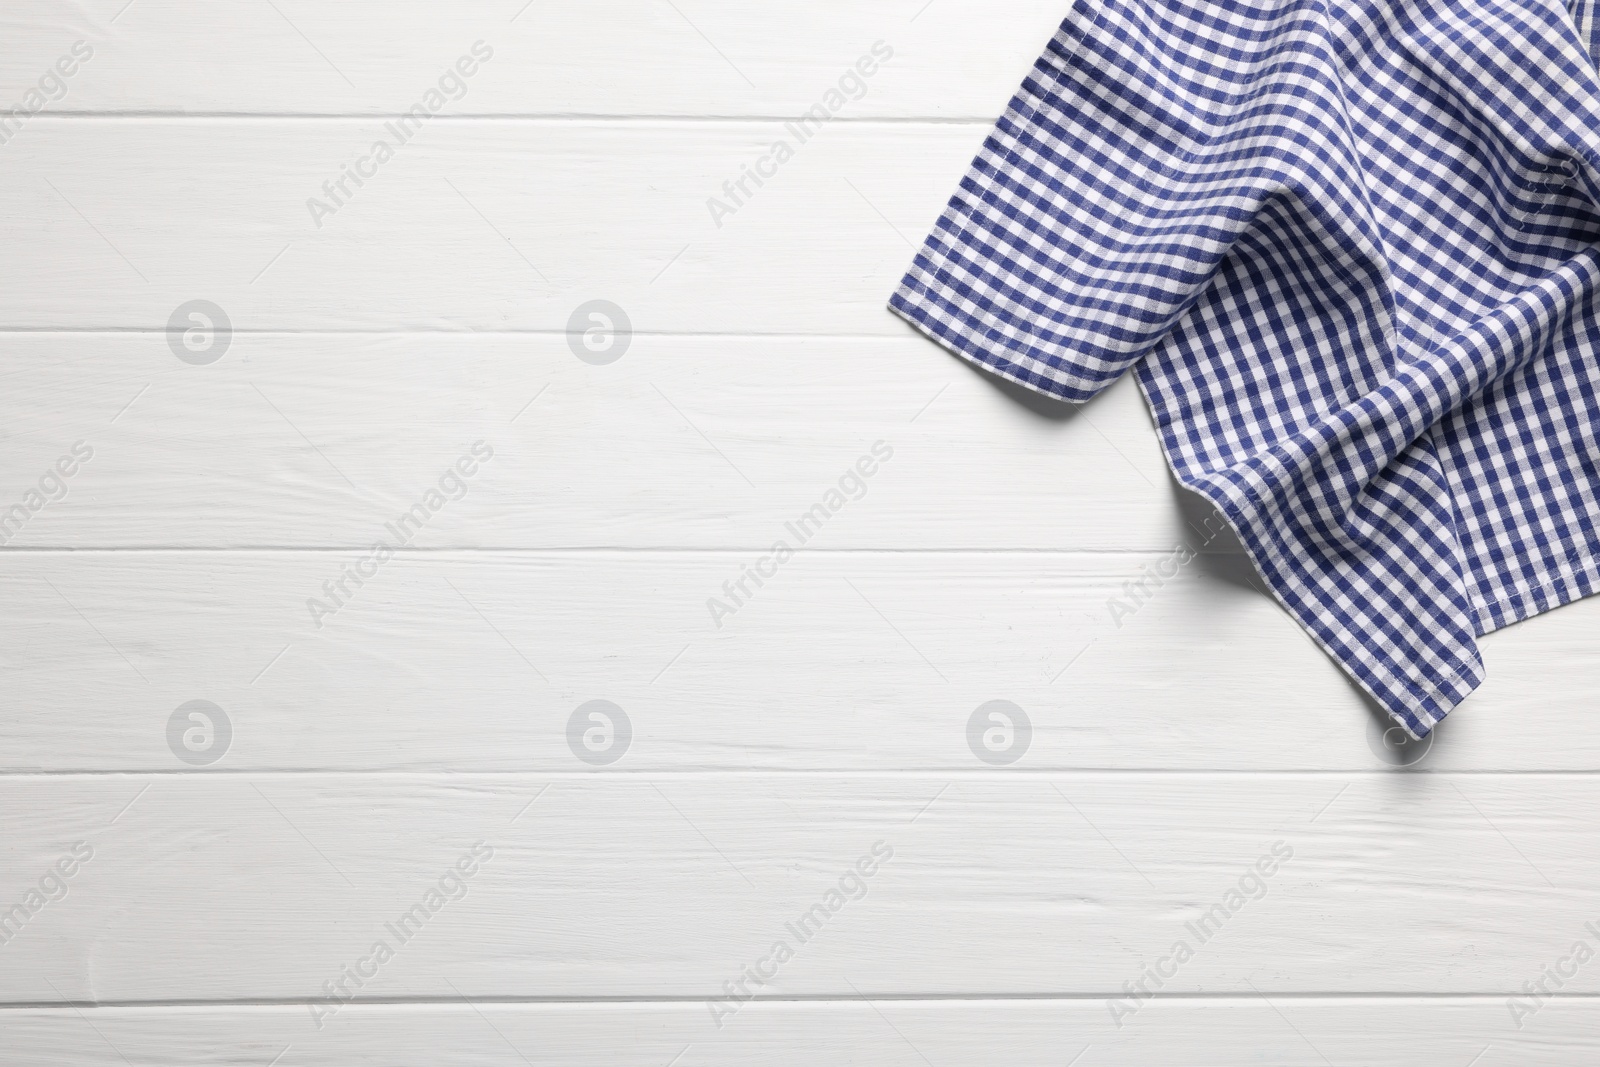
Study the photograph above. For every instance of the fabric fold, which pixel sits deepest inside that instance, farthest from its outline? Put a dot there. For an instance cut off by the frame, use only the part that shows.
(1350, 252)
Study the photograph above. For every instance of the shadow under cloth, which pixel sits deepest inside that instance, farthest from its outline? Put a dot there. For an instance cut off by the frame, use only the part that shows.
(1350, 251)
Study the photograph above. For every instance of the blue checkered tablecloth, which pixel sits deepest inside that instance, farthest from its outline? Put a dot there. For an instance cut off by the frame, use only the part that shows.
(1350, 251)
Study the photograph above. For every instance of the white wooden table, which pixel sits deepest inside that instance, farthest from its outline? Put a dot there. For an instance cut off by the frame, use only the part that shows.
(404, 750)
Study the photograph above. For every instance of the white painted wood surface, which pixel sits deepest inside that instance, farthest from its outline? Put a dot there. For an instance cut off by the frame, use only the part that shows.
(524, 219)
(1177, 734)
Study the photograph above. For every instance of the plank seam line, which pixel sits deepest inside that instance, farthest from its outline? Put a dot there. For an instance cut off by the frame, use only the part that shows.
(645, 550)
(931, 772)
(552, 117)
(800, 998)
(900, 336)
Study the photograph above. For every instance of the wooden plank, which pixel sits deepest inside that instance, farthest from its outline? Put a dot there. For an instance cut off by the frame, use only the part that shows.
(842, 660)
(311, 440)
(952, 59)
(1443, 1032)
(209, 887)
(484, 225)
(211, 805)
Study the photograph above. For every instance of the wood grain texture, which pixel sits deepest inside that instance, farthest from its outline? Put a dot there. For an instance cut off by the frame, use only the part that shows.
(1222, 1032)
(954, 59)
(482, 225)
(317, 440)
(1181, 727)
(210, 887)
(843, 660)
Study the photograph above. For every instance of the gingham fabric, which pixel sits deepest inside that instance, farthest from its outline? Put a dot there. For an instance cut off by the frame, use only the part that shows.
(1350, 251)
